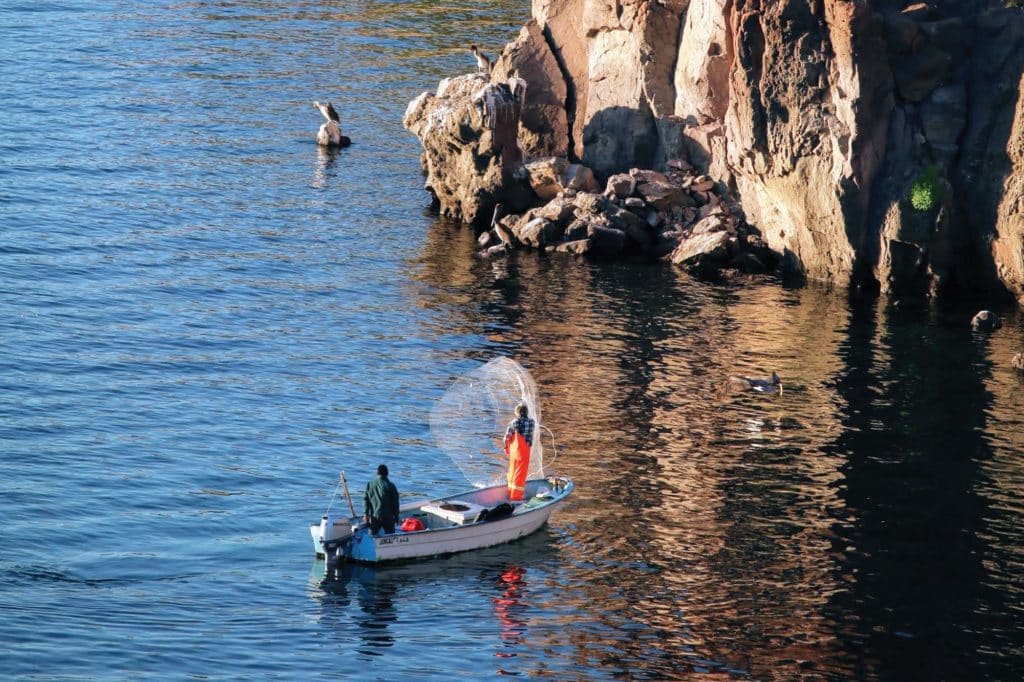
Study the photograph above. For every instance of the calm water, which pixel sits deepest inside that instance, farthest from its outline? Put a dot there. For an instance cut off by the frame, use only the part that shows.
(203, 320)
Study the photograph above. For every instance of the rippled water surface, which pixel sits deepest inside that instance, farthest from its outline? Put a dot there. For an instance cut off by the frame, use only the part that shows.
(203, 319)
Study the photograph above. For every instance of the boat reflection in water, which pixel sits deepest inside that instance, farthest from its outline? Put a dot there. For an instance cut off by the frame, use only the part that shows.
(510, 610)
(477, 600)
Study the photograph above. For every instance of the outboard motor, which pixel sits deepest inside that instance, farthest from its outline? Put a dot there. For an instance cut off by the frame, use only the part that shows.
(333, 530)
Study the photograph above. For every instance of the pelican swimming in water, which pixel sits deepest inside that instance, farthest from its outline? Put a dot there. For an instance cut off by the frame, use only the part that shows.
(483, 62)
(771, 385)
(330, 132)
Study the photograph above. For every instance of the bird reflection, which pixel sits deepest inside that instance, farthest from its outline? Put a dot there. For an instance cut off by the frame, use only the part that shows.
(327, 157)
(509, 610)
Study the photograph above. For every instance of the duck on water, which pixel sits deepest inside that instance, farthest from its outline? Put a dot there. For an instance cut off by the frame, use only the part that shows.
(772, 384)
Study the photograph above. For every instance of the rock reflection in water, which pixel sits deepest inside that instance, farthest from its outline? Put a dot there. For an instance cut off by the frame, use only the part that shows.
(327, 159)
(851, 526)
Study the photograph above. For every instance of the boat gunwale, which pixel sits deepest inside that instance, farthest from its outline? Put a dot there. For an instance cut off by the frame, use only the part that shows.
(518, 513)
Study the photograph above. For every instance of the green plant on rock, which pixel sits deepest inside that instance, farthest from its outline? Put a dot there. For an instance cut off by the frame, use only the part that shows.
(926, 191)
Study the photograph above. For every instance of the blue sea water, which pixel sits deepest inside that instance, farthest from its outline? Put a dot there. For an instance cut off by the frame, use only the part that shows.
(204, 318)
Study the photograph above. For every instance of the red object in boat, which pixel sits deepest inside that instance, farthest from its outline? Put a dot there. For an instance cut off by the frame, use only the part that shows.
(412, 524)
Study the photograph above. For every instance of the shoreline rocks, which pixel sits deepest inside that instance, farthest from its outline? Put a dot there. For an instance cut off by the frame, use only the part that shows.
(680, 216)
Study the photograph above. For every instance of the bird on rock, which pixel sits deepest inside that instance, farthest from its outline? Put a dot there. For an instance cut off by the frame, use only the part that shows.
(483, 62)
(771, 385)
(330, 132)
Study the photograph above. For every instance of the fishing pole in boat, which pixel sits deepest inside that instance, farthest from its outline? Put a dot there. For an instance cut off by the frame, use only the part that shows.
(344, 486)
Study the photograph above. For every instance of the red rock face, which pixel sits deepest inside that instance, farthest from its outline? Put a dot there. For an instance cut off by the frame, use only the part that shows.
(823, 115)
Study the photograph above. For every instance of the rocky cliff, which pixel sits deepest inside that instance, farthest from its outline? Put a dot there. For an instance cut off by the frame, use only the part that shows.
(871, 142)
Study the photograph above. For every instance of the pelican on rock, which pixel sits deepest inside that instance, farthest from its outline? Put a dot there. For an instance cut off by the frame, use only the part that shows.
(330, 132)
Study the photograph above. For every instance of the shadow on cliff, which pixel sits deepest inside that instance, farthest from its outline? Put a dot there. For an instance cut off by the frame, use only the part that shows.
(953, 248)
(983, 171)
(619, 138)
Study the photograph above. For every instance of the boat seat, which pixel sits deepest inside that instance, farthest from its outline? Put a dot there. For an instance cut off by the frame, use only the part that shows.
(456, 511)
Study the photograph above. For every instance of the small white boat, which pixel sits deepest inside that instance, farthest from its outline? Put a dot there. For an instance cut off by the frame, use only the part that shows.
(468, 423)
(458, 523)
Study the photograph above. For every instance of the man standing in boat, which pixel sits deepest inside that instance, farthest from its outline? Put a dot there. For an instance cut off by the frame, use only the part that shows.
(381, 502)
(518, 441)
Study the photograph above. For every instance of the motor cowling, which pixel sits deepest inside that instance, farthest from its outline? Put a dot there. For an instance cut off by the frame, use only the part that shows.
(333, 529)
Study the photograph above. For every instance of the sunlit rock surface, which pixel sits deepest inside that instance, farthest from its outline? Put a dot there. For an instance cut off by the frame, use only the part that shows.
(877, 143)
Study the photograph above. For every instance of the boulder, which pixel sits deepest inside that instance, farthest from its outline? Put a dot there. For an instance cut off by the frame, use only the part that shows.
(634, 226)
(559, 210)
(579, 247)
(545, 176)
(554, 176)
(576, 231)
(606, 241)
(620, 185)
(580, 178)
(658, 191)
(589, 202)
(623, 218)
(539, 232)
(702, 251)
(704, 185)
(986, 321)
(712, 223)
(471, 157)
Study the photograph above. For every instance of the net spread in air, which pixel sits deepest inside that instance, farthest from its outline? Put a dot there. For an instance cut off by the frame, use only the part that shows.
(470, 419)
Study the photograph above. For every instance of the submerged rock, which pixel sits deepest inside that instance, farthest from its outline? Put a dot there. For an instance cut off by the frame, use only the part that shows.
(986, 321)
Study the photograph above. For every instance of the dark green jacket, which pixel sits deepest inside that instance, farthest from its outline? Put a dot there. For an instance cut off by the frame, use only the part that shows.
(381, 499)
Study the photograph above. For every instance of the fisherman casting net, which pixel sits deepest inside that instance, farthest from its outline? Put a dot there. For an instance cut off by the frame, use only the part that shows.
(470, 419)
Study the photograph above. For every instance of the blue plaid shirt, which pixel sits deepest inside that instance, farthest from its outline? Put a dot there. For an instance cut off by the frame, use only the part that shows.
(522, 426)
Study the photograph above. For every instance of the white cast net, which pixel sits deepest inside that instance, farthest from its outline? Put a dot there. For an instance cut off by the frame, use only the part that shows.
(470, 419)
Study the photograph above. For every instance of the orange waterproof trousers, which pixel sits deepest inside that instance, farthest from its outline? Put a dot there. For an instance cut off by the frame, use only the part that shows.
(518, 465)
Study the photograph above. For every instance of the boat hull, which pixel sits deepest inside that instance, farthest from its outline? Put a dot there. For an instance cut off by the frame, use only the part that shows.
(449, 531)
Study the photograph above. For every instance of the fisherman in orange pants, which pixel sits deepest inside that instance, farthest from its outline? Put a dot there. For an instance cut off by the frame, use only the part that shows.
(518, 441)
